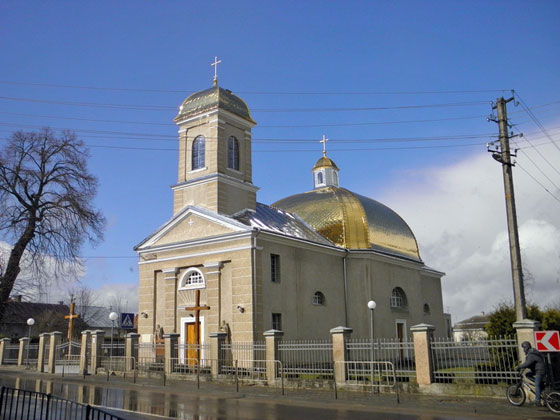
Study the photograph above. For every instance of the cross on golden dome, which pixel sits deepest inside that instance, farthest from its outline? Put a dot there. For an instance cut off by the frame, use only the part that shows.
(324, 141)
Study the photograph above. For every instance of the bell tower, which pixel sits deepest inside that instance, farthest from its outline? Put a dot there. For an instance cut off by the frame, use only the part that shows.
(214, 153)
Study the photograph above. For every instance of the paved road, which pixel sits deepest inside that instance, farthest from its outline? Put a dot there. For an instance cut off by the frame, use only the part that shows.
(148, 399)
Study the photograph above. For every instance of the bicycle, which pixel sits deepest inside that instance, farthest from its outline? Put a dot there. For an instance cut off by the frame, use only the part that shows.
(517, 394)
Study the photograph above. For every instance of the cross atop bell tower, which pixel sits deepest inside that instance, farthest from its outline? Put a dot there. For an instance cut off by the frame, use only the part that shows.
(215, 64)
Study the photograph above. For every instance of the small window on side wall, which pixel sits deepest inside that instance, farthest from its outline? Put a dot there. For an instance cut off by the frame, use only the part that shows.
(275, 268)
(398, 298)
(277, 322)
(318, 298)
(426, 309)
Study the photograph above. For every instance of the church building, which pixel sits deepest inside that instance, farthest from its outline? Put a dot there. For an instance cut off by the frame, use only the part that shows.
(303, 265)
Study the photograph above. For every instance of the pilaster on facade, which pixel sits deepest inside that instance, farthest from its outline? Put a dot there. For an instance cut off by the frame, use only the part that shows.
(213, 272)
(170, 278)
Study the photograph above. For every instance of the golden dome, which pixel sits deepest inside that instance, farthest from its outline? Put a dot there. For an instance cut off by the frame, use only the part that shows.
(353, 221)
(324, 162)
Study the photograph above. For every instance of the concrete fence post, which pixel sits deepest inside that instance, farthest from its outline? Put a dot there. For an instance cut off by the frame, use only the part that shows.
(3, 349)
(525, 331)
(422, 336)
(56, 338)
(41, 352)
(23, 344)
(131, 351)
(97, 341)
(217, 339)
(170, 342)
(339, 337)
(272, 339)
(85, 342)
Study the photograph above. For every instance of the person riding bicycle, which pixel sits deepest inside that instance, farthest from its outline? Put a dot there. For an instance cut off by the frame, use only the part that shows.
(534, 361)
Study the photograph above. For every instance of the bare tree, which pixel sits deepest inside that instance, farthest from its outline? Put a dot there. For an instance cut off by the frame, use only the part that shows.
(46, 203)
(84, 298)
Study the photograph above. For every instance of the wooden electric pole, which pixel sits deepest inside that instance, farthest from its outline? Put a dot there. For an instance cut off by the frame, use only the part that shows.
(504, 157)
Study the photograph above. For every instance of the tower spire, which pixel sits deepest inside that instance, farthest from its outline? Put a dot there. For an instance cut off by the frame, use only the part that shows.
(215, 65)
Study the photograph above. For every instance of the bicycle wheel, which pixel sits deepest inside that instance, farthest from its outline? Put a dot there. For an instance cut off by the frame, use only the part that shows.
(515, 395)
(553, 401)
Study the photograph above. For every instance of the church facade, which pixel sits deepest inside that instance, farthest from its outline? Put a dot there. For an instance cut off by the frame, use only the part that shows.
(305, 264)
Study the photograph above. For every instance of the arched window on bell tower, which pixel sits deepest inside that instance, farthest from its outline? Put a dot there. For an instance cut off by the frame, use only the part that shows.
(325, 173)
(233, 153)
(198, 147)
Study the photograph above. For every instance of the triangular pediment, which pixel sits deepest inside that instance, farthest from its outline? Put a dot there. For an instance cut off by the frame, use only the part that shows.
(191, 224)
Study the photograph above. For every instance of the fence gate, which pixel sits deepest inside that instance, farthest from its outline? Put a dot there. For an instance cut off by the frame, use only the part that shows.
(67, 357)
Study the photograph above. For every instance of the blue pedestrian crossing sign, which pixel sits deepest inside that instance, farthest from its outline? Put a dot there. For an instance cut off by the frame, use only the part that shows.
(127, 320)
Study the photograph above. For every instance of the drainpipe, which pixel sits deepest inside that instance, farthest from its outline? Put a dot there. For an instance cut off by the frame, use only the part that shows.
(254, 274)
(345, 288)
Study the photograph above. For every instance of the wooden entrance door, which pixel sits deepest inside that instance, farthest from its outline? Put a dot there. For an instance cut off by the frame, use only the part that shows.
(190, 342)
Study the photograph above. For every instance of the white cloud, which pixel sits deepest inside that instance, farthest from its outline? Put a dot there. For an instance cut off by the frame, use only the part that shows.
(457, 213)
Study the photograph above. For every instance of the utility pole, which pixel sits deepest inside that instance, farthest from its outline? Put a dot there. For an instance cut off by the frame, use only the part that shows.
(504, 157)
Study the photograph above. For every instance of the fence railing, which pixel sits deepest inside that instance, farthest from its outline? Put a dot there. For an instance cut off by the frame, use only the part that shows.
(193, 351)
(117, 349)
(243, 350)
(306, 359)
(486, 361)
(372, 374)
(11, 354)
(20, 404)
(399, 353)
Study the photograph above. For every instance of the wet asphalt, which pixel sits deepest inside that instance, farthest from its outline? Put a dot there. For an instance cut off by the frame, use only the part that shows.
(149, 399)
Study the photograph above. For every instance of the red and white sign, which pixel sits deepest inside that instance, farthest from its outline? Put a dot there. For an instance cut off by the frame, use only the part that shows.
(547, 340)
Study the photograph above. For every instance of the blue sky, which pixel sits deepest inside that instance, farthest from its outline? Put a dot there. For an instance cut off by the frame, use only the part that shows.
(427, 72)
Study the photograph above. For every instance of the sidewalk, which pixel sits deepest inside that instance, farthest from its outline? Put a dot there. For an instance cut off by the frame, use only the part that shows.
(425, 406)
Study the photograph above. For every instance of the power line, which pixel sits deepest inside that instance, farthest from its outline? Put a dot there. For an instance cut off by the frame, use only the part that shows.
(534, 179)
(361, 93)
(273, 110)
(536, 120)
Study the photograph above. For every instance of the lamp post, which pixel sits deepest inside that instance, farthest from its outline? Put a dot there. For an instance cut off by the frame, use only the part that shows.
(371, 306)
(113, 317)
(30, 323)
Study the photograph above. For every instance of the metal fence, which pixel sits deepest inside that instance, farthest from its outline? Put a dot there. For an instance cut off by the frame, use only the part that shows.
(306, 359)
(399, 353)
(487, 361)
(151, 350)
(371, 374)
(187, 352)
(21, 404)
(11, 352)
(117, 349)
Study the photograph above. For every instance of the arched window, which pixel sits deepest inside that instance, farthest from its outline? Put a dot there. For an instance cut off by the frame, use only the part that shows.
(398, 298)
(233, 153)
(426, 309)
(198, 153)
(319, 178)
(318, 298)
(192, 279)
